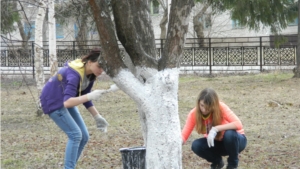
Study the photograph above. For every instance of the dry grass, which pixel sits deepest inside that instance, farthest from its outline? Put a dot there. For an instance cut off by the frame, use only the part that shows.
(268, 105)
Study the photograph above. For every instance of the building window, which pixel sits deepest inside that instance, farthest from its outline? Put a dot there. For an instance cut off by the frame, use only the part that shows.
(59, 31)
(154, 7)
(236, 24)
(29, 28)
(206, 21)
(75, 30)
(295, 23)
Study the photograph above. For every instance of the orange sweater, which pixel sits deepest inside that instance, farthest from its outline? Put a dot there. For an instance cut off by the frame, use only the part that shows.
(228, 117)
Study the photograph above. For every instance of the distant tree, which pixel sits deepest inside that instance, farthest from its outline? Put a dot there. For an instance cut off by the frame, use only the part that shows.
(276, 14)
(163, 22)
(52, 38)
(38, 46)
(198, 21)
(9, 15)
(297, 68)
(78, 11)
(151, 83)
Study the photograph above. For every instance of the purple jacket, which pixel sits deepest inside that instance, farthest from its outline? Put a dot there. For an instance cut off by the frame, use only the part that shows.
(66, 83)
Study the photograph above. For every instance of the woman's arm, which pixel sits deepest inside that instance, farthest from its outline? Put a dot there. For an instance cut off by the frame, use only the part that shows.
(75, 101)
(228, 126)
(231, 119)
(189, 125)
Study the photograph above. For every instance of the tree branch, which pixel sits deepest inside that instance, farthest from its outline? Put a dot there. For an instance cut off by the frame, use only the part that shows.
(177, 29)
(110, 59)
(135, 32)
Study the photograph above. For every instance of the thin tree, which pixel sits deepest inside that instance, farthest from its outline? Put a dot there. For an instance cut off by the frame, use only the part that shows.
(297, 68)
(38, 46)
(52, 38)
(78, 11)
(153, 84)
(164, 20)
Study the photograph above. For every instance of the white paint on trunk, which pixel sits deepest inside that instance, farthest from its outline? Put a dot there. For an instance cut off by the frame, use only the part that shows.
(157, 102)
(144, 72)
(52, 38)
(38, 47)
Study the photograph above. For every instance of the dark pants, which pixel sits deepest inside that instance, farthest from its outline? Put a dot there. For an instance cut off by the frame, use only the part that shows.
(232, 144)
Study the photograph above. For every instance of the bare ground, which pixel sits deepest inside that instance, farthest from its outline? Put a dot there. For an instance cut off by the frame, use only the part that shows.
(268, 105)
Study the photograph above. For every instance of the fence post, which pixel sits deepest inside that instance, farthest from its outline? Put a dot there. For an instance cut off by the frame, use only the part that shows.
(73, 52)
(260, 53)
(161, 47)
(32, 54)
(209, 50)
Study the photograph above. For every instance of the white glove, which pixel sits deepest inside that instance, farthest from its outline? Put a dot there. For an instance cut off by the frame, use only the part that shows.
(94, 95)
(211, 136)
(113, 88)
(101, 123)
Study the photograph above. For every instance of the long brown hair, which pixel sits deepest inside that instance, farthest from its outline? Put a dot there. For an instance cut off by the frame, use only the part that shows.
(93, 56)
(212, 104)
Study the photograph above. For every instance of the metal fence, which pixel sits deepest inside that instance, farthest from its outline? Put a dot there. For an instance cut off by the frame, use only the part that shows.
(207, 52)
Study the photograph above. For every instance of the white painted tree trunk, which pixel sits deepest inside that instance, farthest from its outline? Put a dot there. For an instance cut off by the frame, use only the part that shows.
(38, 47)
(52, 38)
(157, 102)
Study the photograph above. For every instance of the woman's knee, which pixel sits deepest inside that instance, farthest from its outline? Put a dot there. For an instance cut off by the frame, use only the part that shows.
(197, 146)
(230, 135)
(76, 136)
(85, 137)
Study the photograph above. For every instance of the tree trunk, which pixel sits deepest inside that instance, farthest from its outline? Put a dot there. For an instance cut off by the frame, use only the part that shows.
(157, 103)
(164, 20)
(38, 47)
(81, 38)
(25, 51)
(163, 24)
(297, 68)
(154, 86)
(198, 25)
(52, 39)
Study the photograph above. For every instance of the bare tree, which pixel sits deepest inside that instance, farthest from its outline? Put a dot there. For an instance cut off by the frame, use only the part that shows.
(38, 47)
(79, 11)
(154, 83)
(52, 38)
(198, 24)
(297, 68)
(164, 20)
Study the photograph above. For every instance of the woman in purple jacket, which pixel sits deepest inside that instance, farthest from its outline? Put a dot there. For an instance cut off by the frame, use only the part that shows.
(69, 87)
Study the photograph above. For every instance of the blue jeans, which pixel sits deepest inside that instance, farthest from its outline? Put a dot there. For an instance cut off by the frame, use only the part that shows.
(71, 122)
(232, 144)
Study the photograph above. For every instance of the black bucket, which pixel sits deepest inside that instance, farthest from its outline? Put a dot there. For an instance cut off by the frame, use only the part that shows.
(134, 157)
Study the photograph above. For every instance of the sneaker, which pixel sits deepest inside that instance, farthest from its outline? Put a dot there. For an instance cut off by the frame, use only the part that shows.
(230, 167)
(217, 166)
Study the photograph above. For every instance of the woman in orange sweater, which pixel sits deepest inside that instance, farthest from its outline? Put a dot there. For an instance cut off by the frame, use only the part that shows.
(223, 131)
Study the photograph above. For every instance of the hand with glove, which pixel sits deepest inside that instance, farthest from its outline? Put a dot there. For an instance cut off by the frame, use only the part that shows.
(211, 136)
(94, 95)
(101, 123)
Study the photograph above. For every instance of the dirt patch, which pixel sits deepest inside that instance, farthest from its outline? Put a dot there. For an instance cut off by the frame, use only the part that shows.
(268, 105)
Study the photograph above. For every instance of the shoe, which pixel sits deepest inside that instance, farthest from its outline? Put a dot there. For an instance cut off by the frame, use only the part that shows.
(217, 166)
(230, 167)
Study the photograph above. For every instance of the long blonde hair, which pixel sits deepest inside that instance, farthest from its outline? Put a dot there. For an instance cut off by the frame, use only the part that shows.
(212, 104)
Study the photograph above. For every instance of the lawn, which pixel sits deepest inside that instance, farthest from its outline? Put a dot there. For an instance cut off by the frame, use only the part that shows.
(267, 103)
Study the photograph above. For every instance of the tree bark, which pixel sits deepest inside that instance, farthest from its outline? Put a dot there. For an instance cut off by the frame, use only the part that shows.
(38, 46)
